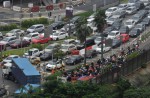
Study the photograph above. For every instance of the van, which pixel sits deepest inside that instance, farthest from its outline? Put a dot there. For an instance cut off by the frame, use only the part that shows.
(36, 28)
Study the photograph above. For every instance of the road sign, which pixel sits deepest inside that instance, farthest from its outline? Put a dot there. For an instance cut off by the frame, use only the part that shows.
(94, 8)
(35, 9)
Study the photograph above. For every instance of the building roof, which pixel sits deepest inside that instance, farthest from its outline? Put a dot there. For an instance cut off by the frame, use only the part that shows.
(26, 66)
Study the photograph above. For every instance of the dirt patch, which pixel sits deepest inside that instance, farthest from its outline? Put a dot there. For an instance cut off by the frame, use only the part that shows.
(140, 77)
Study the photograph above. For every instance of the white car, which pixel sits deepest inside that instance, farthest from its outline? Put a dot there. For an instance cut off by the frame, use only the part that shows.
(130, 23)
(14, 32)
(112, 19)
(97, 40)
(122, 6)
(60, 35)
(110, 11)
(36, 28)
(148, 15)
(105, 48)
(131, 10)
(53, 65)
(67, 48)
(90, 21)
(9, 58)
(30, 36)
(34, 52)
(113, 34)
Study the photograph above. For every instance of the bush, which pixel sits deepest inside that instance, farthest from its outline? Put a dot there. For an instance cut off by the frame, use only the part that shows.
(132, 55)
(8, 27)
(29, 22)
(143, 65)
(38, 46)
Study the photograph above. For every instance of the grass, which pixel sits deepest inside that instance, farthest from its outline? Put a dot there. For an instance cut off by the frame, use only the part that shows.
(145, 36)
(85, 14)
(132, 55)
(123, 1)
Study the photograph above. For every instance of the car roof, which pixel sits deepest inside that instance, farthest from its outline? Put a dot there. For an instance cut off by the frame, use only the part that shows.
(38, 25)
(67, 44)
(54, 44)
(112, 7)
(11, 37)
(33, 49)
(13, 55)
(69, 40)
(114, 31)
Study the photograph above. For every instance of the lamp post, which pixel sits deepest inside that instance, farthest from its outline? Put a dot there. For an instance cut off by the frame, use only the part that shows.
(85, 48)
(102, 39)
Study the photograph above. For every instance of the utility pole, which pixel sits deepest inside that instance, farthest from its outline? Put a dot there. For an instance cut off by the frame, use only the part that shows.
(102, 40)
(84, 48)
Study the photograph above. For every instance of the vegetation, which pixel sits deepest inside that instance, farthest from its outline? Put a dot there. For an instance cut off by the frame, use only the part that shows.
(132, 55)
(8, 27)
(85, 14)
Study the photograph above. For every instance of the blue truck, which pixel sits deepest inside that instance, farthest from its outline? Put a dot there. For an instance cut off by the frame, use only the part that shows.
(23, 71)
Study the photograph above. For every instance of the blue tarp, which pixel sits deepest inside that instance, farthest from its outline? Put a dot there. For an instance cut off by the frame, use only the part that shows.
(26, 88)
(26, 66)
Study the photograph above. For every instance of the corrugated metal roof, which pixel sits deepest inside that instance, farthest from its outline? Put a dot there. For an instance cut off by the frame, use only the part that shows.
(26, 66)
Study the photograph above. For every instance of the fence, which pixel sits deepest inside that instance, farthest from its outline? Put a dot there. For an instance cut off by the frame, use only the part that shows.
(113, 74)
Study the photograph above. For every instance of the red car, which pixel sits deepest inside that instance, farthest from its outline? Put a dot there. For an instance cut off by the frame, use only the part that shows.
(124, 37)
(18, 44)
(41, 40)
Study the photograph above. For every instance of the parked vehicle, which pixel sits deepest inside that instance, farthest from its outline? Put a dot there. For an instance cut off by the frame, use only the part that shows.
(142, 13)
(8, 40)
(122, 6)
(58, 36)
(148, 15)
(36, 28)
(124, 37)
(134, 32)
(67, 48)
(35, 60)
(2, 47)
(46, 56)
(9, 58)
(53, 65)
(52, 47)
(113, 34)
(19, 44)
(141, 27)
(75, 19)
(41, 40)
(130, 23)
(112, 19)
(30, 36)
(1, 35)
(132, 2)
(32, 53)
(3, 92)
(116, 25)
(120, 14)
(116, 43)
(69, 41)
(131, 10)
(105, 48)
(57, 25)
(146, 2)
(108, 30)
(110, 11)
(98, 40)
(74, 59)
(124, 30)
(146, 21)
(14, 32)
(136, 18)
(66, 28)
(90, 53)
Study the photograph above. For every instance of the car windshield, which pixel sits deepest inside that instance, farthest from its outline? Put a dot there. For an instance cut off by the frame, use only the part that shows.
(64, 47)
(112, 34)
(128, 23)
(120, 6)
(129, 9)
(32, 27)
(138, 26)
(135, 17)
(30, 53)
(9, 58)
(6, 39)
(17, 42)
(56, 34)
(52, 63)
(12, 31)
(133, 31)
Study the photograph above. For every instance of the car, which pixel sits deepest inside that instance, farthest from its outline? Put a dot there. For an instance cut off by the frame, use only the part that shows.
(141, 27)
(75, 19)
(46, 56)
(146, 2)
(124, 37)
(130, 23)
(132, 2)
(90, 53)
(69, 41)
(53, 65)
(57, 25)
(131, 10)
(147, 8)
(67, 48)
(142, 13)
(124, 30)
(120, 14)
(33, 52)
(113, 34)
(116, 25)
(116, 43)
(29, 36)
(15, 32)
(148, 15)
(8, 40)
(139, 5)
(107, 30)
(40, 40)
(19, 44)
(105, 48)
(110, 11)
(146, 21)
(134, 32)
(136, 18)
(122, 6)
(52, 47)
(74, 59)
(58, 36)
(112, 19)
(98, 40)
(68, 26)
(9, 58)
(36, 28)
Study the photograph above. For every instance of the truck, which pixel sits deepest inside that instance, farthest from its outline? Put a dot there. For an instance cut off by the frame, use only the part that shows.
(21, 71)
